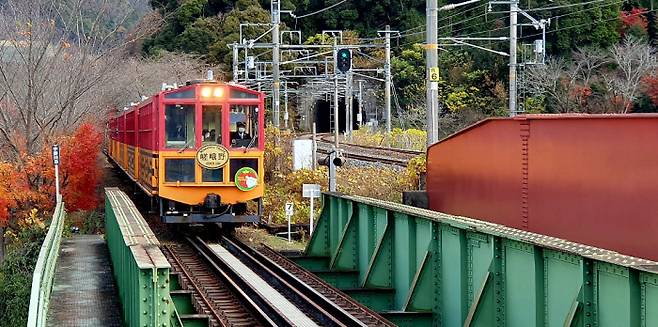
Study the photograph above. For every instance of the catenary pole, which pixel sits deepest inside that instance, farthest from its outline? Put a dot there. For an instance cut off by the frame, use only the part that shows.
(514, 7)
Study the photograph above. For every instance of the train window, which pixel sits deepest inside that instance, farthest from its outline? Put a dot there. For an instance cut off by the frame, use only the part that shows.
(237, 94)
(211, 124)
(244, 126)
(179, 126)
(187, 94)
(212, 175)
(179, 170)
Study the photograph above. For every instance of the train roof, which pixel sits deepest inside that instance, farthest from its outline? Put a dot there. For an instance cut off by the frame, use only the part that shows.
(183, 92)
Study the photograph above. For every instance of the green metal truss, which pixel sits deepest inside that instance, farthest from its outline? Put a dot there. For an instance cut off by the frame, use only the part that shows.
(418, 267)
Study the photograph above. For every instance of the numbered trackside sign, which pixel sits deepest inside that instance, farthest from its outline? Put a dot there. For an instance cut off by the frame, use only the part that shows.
(290, 209)
(434, 74)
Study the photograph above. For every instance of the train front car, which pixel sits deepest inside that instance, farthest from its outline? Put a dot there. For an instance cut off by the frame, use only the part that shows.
(197, 151)
(211, 151)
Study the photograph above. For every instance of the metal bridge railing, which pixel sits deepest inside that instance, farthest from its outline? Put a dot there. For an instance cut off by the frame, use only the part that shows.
(44, 271)
(140, 269)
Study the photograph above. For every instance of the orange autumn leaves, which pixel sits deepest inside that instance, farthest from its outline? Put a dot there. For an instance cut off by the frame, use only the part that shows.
(30, 182)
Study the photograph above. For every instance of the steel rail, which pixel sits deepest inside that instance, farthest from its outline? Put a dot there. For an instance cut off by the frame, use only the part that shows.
(220, 318)
(323, 309)
(370, 317)
(261, 308)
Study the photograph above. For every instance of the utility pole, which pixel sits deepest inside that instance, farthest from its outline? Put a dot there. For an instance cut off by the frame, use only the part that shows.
(514, 7)
(348, 105)
(360, 115)
(285, 105)
(432, 60)
(276, 20)
(235, 62)
(387, 76)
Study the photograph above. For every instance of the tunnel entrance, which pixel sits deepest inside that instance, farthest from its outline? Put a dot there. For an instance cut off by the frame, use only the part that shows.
(323, 110)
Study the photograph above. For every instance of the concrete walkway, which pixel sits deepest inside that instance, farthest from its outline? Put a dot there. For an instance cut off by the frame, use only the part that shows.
(84, 292)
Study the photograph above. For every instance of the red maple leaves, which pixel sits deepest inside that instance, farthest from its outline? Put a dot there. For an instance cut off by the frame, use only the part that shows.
(30, 182)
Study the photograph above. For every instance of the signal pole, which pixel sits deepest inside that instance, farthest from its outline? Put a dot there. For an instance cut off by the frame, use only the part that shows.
(276, 20)
(514, 7)
(335, 95)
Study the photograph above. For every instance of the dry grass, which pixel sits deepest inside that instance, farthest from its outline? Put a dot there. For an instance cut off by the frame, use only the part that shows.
(257, 237)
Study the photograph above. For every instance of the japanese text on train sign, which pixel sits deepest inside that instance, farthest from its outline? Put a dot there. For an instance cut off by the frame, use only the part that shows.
(434, 74)
(212, 156)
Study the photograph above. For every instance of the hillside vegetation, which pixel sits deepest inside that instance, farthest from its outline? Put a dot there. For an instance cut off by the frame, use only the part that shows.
(474, 82)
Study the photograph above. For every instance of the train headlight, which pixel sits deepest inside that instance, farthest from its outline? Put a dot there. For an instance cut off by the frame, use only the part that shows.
(206, 92)
(218, 92)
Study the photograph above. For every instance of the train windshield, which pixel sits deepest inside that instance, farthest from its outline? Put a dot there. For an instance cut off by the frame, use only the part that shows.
(179, 126)
(211, 125)
(244, 126)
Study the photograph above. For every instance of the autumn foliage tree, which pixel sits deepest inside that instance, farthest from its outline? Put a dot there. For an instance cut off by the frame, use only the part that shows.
(30, 183)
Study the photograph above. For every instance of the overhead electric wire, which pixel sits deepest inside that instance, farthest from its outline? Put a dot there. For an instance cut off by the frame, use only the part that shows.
(321, 10)
(552, 17)
(564, 6)
(423, 26)
(585, 24)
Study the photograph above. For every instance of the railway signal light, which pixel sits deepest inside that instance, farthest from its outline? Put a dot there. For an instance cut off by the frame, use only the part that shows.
(344, 60)
(333, 160)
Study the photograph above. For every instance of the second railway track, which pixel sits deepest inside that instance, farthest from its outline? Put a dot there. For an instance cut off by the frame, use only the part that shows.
(368, 153)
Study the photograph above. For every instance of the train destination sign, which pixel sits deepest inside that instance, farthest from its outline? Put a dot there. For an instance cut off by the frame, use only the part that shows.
(212, 156)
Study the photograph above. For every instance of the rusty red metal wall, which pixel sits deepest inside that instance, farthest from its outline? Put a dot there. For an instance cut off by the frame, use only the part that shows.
(591, 179)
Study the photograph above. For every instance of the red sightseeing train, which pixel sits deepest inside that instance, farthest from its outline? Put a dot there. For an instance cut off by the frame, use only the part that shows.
(196, 150)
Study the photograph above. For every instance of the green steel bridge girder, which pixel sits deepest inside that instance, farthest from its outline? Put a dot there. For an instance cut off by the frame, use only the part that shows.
(418, 267)
(149, 292)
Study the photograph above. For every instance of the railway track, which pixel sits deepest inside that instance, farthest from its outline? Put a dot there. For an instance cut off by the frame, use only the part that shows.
(386, 155)
(237, 286)
(350, 305)
(213, 292)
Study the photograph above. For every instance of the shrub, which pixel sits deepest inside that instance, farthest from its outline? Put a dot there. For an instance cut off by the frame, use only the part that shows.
(16, 275)
(398, 138)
